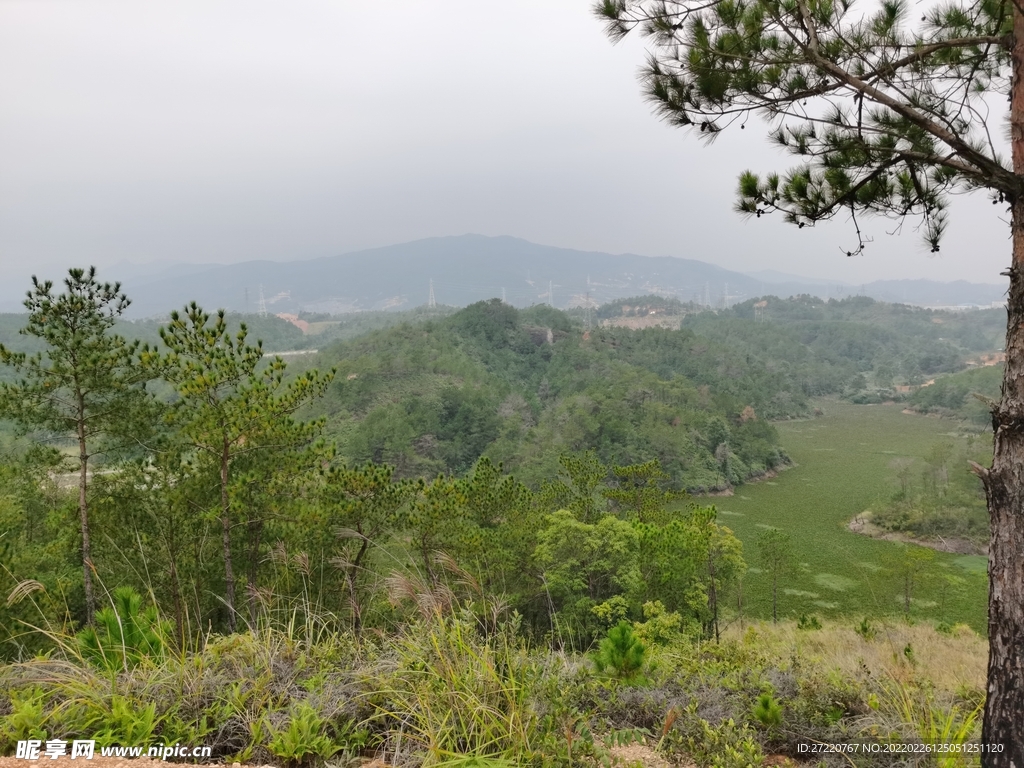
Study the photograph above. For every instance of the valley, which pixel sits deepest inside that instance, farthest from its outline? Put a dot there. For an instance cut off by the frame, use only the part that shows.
(841, 468)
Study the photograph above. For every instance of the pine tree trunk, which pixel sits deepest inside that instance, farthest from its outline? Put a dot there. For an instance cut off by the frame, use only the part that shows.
(225, 521)
(351, 574)
(1004, 486)
(1003, 726)
(83, 514)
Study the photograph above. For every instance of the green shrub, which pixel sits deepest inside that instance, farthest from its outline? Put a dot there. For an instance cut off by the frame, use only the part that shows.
(726, 745)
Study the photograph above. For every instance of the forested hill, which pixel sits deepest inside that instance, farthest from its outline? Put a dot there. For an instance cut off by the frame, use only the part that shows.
(522, 386)
(877, 345)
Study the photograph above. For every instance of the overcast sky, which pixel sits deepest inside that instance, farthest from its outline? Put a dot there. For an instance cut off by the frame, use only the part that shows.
(226, 131)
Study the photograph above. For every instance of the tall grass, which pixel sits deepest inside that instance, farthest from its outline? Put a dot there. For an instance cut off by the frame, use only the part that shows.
(455, 684)
(447, 694)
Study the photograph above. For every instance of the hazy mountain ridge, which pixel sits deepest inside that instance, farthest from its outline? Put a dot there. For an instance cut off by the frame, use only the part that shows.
(469, 268)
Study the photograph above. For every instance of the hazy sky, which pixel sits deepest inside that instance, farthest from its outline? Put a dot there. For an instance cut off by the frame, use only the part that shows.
(225, 131)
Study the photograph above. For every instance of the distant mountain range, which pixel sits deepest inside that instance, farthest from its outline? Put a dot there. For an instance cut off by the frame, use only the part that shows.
(460, 270)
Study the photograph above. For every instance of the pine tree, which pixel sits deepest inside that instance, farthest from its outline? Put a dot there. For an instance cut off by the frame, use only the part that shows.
(83, 384)
(236, 413)
(890, 110)
(621, 652)
(776, 553)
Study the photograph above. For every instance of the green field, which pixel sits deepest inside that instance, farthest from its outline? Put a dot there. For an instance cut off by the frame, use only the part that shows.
(842, 468)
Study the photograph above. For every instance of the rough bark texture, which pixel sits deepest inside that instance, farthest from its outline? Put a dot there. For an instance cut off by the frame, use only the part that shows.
(1004, 486)
(1003, 726)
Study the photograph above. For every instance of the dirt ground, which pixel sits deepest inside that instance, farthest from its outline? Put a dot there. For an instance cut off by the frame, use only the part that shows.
(102, 762)
(633, 755)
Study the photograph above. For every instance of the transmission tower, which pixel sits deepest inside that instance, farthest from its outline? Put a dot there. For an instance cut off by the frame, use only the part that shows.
(503, 296)
(588, 308)
(262, 311)
(431, 301)
(551, 295)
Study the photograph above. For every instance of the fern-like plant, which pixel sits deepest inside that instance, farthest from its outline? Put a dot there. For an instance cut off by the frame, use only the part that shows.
(621, 653)
(25, 720)
(304, 739)
(124, 722)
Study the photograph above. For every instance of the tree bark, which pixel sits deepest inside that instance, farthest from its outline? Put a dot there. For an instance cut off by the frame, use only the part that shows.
(351, 574)
(1004, 486)
(225, 521)
(1003, 725)
(83, 514)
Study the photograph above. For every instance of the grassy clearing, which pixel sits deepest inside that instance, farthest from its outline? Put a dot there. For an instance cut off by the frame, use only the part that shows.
(843, 468)
(953, 663)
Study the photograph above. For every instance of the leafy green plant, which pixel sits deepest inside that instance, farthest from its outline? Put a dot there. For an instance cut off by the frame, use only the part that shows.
(622, 653)
(124, 633)
(726, 745)
(305, 738)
